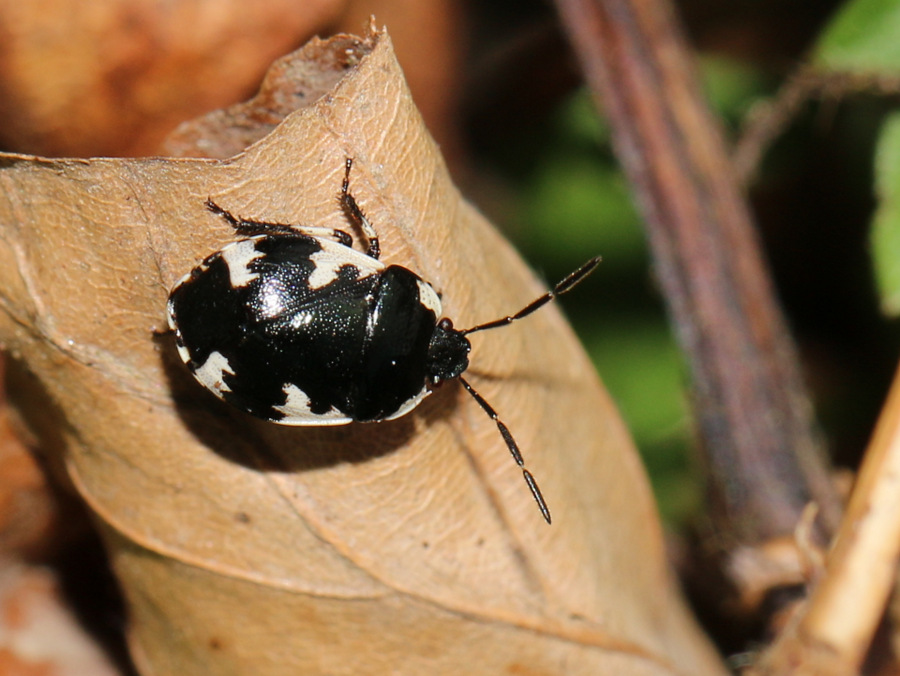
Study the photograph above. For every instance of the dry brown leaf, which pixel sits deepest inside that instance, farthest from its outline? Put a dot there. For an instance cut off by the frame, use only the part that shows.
(406, 547)
(432, 41)
(292, 82)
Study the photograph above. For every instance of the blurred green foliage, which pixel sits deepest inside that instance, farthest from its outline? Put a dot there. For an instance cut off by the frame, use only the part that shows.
(863, 37)
(886, 224)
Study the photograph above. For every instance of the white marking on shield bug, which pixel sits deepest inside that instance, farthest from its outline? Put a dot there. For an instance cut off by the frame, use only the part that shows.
(297, 410)
(327, 268)
(410, 404)
(183, 353)
(429, 298)
(332, 257)
(212, 373)
(238, 257)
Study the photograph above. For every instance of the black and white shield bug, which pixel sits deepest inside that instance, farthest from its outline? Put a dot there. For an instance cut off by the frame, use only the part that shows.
(292, 325)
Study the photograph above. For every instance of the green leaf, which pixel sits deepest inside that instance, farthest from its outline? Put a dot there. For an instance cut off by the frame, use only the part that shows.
(863, 37)
(886, 223)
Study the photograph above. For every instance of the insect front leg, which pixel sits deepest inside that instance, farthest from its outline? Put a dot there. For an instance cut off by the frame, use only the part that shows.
(249, 227)
(348, 203)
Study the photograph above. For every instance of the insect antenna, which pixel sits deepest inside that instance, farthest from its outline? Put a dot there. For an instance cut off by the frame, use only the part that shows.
(566, 284)
(513, 448)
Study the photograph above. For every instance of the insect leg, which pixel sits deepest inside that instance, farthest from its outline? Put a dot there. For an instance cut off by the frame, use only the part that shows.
(249, 227)
(348, 203)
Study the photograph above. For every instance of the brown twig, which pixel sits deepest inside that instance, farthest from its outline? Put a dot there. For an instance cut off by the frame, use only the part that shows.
(769, 119)
(755, 419)
(832, 633)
